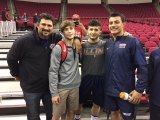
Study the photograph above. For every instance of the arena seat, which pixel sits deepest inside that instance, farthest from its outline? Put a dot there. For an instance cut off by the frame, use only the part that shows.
(151, 49)
(149, 44)
(143, 39)
(155, 39)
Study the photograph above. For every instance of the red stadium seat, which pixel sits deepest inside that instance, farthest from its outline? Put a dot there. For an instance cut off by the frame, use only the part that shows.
(149, 44)
(144, 35)
(143, 40)
(155, 39)
(151, 49)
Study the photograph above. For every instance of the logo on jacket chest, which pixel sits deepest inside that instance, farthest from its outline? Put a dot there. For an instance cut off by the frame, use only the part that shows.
(123, 45)
(52, 46)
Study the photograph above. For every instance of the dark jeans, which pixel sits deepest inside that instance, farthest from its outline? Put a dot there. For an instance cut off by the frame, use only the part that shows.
(33, 105)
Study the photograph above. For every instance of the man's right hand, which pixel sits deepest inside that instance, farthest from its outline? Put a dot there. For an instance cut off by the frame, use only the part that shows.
(56, 100)
(136, 97)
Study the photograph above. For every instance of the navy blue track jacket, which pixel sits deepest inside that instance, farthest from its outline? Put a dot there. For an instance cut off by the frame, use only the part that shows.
(154, 77)
(122, 57)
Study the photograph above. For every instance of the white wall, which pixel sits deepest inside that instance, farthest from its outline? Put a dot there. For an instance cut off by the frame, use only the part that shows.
(85, 1)
(128, 1)
(43, 1)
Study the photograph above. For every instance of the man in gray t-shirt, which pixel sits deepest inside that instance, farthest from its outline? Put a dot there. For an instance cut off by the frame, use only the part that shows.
(92, 70)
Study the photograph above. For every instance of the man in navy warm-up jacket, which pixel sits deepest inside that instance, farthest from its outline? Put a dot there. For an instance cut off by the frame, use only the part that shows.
(124, 54)
(153, 84)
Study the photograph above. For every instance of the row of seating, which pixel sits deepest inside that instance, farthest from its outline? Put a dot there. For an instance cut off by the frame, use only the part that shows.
(87, 10)
(31, 8)
(147, 21)
(143, 10)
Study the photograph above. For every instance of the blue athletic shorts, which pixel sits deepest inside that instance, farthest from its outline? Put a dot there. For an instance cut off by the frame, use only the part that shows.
(92, 86)
(127, 109)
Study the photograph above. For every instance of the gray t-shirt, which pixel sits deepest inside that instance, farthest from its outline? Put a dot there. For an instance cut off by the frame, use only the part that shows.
(93, 58)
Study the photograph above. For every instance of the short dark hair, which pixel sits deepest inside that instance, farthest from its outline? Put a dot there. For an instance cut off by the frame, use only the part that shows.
(46, 16)
(94, 22)
(66, 23)
(116, 14)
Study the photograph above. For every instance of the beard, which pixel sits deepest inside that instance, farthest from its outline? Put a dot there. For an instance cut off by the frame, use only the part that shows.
(45, 34)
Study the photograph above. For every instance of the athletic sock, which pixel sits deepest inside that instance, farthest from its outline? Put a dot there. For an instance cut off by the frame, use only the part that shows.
(77, 117)
(94, 117)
